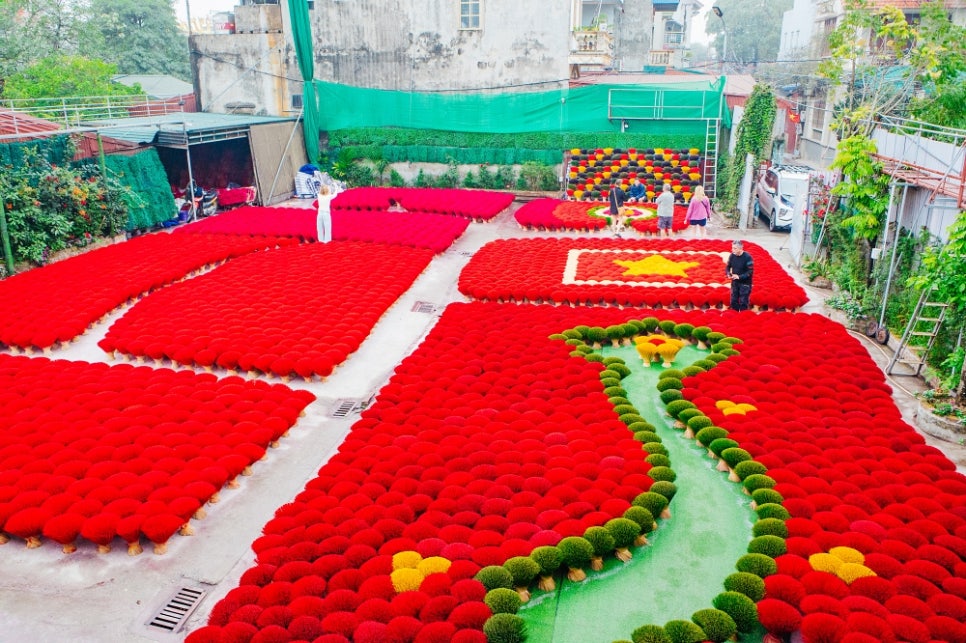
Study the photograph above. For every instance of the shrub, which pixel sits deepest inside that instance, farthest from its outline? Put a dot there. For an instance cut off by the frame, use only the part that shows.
(739, 607)
(621, 409)
(701, 333)
(717, 624)
(671, 395)
(692, 370)
(600, 540)
(675, 407)
(766, 496)
(771, 510)
(665, 488)
(624, 532)
(662, 473)
(575, 552)
(502, 601)
(622, 369)
(655, 447)
(650, 324)
(745, 583)
(699, 422)
(653, 502)
(684, 632)
(630, 418)
(758, 481)
(647, 436)
(748, 468)
(658, 460)
(616, 332)
(548, 558)
(770, 527)
(734, 455)
(757, 564)
(493, 576)
(684, 331)
(505, 628)
(768, 545)
(650, 634)
(671, 373)
(667, 326)
(668, 383)
(643, 517)
(718, 446)
(709, 434)
(687, 414)
(523, 570)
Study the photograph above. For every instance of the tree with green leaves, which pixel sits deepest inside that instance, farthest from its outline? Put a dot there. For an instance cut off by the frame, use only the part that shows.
(139, 36)
(879, 61)
(33, 29)
(752, 27)
(65, 76)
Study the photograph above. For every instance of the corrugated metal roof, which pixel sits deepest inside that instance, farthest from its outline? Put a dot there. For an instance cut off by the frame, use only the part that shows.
(156, 85)
(13, 122)
(144, 129)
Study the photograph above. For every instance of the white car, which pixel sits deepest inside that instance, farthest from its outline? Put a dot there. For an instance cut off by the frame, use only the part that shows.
(781, 191)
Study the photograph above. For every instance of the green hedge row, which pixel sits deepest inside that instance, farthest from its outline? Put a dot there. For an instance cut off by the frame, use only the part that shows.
(399, 145)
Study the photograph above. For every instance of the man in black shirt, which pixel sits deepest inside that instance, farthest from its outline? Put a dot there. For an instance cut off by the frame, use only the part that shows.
(617, 198)
(740, 269)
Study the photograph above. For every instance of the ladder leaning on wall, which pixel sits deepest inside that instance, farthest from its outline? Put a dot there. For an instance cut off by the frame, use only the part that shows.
(711, 156)
(919, 335)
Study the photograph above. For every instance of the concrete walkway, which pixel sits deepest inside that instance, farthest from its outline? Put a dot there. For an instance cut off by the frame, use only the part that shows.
(108, 598)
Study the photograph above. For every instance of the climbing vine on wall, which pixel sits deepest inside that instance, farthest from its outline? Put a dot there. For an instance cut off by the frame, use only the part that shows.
(753, 137)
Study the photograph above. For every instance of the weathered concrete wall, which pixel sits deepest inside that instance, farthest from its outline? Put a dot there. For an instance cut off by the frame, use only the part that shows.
(634, 39)
(243, 68)
(418, 45)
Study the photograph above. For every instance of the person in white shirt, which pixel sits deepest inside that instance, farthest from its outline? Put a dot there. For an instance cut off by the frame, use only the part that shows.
(324, 221)
(665, 211)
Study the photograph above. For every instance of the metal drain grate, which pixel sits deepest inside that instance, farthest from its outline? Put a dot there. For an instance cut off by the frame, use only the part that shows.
(424, 307)
(344, 407)
(172, 616)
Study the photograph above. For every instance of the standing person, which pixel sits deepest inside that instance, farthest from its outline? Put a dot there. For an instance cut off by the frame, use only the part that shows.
(617, 197)
(699, 211)
(323, 223)
(740, 270)
(665, 211)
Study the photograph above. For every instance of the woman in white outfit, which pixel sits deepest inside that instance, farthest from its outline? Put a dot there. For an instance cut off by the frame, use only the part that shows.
(324, 220)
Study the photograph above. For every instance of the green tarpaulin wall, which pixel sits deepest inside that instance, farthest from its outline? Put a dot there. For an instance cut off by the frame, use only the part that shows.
(598, 108)
(56, 149)
(151, 201)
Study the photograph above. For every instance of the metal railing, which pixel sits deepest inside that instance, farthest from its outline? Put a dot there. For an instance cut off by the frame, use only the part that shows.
(73, 111)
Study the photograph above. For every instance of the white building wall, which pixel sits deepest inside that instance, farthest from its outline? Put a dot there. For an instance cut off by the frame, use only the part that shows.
(797, 28)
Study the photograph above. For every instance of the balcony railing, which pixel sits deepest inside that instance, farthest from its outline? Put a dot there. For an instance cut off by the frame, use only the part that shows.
(592, 49)
(660, 57)
(72, 111)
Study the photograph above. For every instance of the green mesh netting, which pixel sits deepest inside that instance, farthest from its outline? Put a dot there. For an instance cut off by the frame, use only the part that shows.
(56, 149)
(150, 201)
(596, 108)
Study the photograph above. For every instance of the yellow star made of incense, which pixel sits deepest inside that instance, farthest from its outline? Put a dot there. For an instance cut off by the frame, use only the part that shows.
(656, 265)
